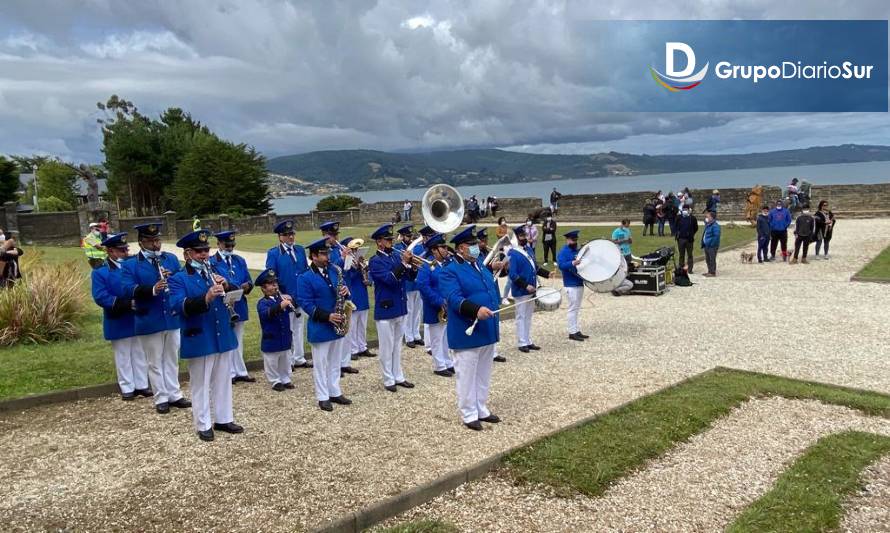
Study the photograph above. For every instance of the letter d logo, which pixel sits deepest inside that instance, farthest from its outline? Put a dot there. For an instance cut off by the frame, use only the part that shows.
(670, 50)
(678, 80)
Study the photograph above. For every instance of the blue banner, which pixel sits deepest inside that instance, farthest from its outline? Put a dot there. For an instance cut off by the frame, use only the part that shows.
(739, 65)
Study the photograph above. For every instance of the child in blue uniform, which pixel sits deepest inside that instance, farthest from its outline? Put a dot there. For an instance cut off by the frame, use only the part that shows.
(274, 310)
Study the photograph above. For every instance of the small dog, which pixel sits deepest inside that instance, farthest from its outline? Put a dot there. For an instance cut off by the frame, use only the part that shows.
(747, 257)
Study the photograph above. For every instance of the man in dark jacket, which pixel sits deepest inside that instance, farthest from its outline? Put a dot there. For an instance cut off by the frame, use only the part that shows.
(649, 218)
(804, 229)
(763, 235)
(713, 202)
(687, 227)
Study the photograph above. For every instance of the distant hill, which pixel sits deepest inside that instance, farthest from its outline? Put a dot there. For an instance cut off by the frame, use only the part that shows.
(359, 170)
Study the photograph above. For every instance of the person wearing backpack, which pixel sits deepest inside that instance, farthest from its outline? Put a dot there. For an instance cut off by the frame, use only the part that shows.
(763, 235)
(804, 230)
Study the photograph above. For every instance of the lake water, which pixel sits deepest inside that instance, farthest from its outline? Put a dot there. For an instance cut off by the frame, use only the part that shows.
(845, 173)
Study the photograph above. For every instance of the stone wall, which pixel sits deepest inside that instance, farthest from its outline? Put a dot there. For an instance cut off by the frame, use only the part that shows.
(62, 227)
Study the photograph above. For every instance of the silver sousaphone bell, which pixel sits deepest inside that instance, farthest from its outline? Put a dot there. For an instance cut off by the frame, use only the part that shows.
(442, 208)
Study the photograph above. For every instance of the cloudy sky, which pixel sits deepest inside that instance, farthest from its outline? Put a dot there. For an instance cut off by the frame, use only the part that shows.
(294, 76)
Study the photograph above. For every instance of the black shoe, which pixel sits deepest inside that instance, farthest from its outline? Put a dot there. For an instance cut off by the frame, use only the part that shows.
(583, 336)
(307, 364)
(616, 293)
(500, 359)
(342, 400)
(534, 347)
(390, 388)
(229, 427)
(278, 387)
(368, 353)
(429, 352)
(181, 403)
(325, 405)
(128, 396)
(474, 425)
(246, 379)
(451, 369)
(411, 344)
(443, 373)
(524, 349)
(407, 384)
(354, 357)
(145, 393)
(348, 370)
(289, 386)
(491, 419)
(576, 337)
(162, 408)
(206, 435)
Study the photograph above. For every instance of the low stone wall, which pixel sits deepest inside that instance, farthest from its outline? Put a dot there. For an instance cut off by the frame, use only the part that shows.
(62, 227)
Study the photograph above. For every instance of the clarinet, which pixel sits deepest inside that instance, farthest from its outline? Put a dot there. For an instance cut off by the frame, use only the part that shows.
(230, 307)
(162, 272)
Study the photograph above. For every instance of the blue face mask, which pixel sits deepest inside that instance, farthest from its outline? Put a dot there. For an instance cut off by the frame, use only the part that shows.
(474, 251)
(151, 254)
(225, 253)
(197, 265)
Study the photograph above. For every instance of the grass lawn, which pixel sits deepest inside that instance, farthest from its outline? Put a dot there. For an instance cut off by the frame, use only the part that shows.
(877, 268)
(421, 526)
(261, 242)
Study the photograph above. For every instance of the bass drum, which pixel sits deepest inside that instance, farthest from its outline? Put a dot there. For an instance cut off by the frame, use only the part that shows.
(550, 301)
(602, 266)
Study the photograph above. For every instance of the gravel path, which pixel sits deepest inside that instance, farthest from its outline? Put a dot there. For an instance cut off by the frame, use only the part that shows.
(870, 509)
(103, 462)
(701, 485)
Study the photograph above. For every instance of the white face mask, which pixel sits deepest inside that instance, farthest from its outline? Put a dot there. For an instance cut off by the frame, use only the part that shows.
(549, 219)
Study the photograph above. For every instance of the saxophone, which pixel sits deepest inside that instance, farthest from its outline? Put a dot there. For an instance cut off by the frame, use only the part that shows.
(343, 306)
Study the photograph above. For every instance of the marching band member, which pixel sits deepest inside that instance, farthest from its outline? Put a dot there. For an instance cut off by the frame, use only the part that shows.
(523, 284)
(411, 333)
(471, 294)
(196, 294)
(496, 266)
(428, 281)
(118, 321)
(389, 272)
(574, 285)
(146, 278)
(330, 230)
(420, 250)
(319, 289)
(233, 267)
(358, 279)
(274, 310)
(288, 260)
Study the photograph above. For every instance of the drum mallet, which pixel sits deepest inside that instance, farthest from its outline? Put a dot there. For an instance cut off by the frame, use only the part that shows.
(469, 330)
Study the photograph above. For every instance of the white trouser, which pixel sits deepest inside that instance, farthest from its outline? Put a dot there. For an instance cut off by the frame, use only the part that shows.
(439, 343)
(426, 335)
(389, 337)
(574, 295)
(506, 291)
(162, 351)
(326, 368)
(346, 349)
(276, 366)
(238, 366)
(473, 370)
(411, 322)
(130, 364)
(211, 383)
(297, 323)
(625, 287)
(524, 311)
(358, 331)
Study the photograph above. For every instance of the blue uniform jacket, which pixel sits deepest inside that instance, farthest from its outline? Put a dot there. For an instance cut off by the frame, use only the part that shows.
(466, 288)
(428, 283)
(236, 276)
(152, 312)
(334, 256)
(318, 297)
(389, 276)
(358, 292)
(286, 269)
(118, 320)
(522, 271)
(274, 325)
(570, 276)
(206, 329)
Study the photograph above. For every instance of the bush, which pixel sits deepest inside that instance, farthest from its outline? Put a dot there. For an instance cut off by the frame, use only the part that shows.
(52, 204)
(339, 202)
(46, 305)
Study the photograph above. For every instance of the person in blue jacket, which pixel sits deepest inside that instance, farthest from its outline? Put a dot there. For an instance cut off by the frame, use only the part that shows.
(763, 235)
(358, 279)
(145, 279)
(497, 267)
(233, 267)
(196, 295)
(318, 290)
(524, 272)
(274, 310)
(428, 281)
(710, 243)
(390, 272)
(289, 261)
(420, 250)
(567, 260)
(118, 320)
(472, 298)
(413, 304)
(330, 230)
(779, 220)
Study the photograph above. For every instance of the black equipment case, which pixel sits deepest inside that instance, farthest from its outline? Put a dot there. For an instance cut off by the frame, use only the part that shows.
(648, 280)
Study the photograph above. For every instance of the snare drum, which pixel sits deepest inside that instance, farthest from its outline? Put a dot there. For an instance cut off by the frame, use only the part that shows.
(602, 266)
(550, 301)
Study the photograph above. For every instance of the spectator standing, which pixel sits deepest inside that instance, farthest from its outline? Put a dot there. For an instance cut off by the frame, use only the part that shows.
(687, 227)
(660, 218)
(406, 211)
(804, 229)
(713, 203)
(779, 220)
(688, 200)
(103, 228)
(532, 232)
(9, 260)
(710, 243)
(493, 205)
(824, 227)
(554, 201)
(92, 246)
(763, 235)
(648, 218)
(659, 197)
(548, 231)
(672, 211)
(502, 227)
(622, 237)
(793, 194)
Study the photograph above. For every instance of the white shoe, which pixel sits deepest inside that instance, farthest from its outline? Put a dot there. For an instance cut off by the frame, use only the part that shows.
(827, 257)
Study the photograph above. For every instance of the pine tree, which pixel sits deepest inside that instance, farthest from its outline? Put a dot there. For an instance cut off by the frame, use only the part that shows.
(9, 180)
